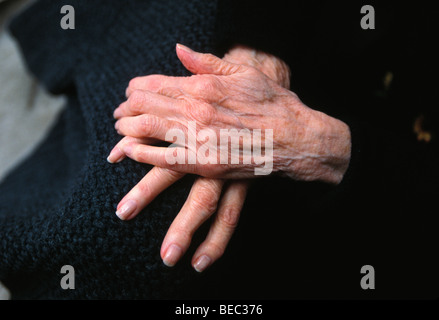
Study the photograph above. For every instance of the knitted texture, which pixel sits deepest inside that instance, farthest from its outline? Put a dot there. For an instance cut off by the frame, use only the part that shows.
(58, 207)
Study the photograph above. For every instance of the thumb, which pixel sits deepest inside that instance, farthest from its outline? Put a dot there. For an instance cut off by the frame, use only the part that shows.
(205, 63)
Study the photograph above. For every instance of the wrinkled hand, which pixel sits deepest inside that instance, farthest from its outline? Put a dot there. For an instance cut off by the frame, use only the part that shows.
(306, 144)
(204, 198)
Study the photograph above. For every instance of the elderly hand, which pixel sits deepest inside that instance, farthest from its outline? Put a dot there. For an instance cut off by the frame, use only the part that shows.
(207, 195)
(293, 140)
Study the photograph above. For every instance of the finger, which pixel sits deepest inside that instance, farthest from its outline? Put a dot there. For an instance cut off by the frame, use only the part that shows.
(202, 63)
(153, 83)
(153, 183)
(141, 102)
(117, 155)
(146, 126)
(200, 205)
(172, 87)
(174, 158)
(223, 226)
(145, 154)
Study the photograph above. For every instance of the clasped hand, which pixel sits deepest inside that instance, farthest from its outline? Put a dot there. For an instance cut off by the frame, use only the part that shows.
(246, 91)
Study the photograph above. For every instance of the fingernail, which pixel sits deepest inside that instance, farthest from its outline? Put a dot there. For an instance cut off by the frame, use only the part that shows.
(116, 155)
(117, 113)
(173, 254)
(184, 48)
(127, 209)
(202, 263)
(116, 125)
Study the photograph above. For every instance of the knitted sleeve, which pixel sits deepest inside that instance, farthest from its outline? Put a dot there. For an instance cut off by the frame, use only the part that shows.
(58, 207)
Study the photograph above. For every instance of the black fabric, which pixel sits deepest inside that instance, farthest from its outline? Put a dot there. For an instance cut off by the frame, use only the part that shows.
(295, 240)
(58, 207)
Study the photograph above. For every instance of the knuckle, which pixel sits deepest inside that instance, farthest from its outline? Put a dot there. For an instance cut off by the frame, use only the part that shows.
(229, 216)
(206, 199)
(148, 125)
(140, 154)
(136, 101)
(143, 189)
(135, 152)
(201, 112)
(204, 84)
(144, 123)
(215, 250)
(205, 204)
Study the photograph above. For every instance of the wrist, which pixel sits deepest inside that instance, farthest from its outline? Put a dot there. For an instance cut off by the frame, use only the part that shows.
(319, 148)
(335, 147)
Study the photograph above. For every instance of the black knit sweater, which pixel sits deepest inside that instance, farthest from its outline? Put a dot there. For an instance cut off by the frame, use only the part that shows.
(295, 239)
